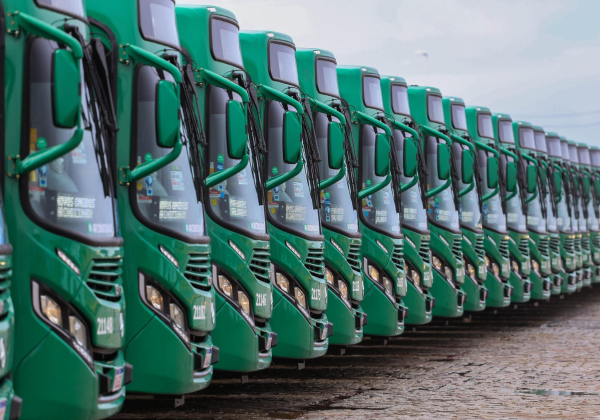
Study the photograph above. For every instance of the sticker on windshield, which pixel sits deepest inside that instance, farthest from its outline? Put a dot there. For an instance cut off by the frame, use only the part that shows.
(238, 207)
(368, 182)
(220, 159)
(193, 228)
(274, 170)
(78, 155)
(413, 196)
(149, 181)
(177, 179)
(322, 195)
(220, 166)
(148, 157)
(257, 226)
(242, 177)
(340, 184)
(386, 197)
(43, 170)
(298, 189)
(311, 228)
(212, 167)
(100, 228)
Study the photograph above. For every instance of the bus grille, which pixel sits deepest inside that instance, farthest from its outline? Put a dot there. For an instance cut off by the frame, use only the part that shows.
(198, 271)
(479, 247)
(596, 242)
(424, 250)
(457, 248)
(555, 245)
(105, 278)
(503, 248)
(398, 256)
(315, 262)
(354, 256)
(260, 264)
(543, 247)
(585, 242)
(577, 244)
(524, 246)
(569, 245)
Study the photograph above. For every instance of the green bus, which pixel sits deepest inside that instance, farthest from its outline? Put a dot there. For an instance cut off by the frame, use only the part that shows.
(292, 184)
(168, 280)
(469, 202)
(378, 203)
(594, 206)
(337, 192)
(497, 182)
(61, 216)
(443, 180)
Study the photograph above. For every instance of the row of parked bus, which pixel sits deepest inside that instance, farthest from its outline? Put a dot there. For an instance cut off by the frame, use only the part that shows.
(248, 200)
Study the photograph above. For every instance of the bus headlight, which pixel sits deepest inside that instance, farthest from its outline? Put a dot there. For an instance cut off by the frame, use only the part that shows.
(282, 282)
(154, 297)
(388, 285)
(373, 273)
(300, 297)
(343, 288)
(495, 269)
(515, 266)
(437, 263)
(414, 274)
(487, 260)
(225, 286)
(244, 302)
(448, 272)
(78, 331)
(177, 315)
(535, 266)
(51, 310)
(471, 270)
(329, 277)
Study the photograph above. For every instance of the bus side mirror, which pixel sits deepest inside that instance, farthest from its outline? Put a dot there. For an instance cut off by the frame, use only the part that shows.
(335, 143)
(292, 142)
(236, 130)
(468, 164)
(531, 179)
(492, 172)
(167, 114)
(382, 155)
(409, 155)
(443, 161)
(511, 176)
(66, 89)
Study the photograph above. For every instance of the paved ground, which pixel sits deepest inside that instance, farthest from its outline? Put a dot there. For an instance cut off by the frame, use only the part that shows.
(530, 362)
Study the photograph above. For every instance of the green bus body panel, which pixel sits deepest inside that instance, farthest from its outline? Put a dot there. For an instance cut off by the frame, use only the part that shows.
(383, 314)
(153, 373)
(68, 388)
(343, 317)
(237, 339)
(449, 295)
(296, 334)
(476, 291)
(417, 295)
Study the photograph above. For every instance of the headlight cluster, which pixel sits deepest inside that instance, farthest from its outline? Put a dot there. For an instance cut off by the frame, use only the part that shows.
(380, 278)
(293, 290)
(515, 266)
(412, 274)
(338, 284)
(471, 271)
(63, 319)
(535, 266)
(442, 267)
(165, 305)
(492, 266)
(233, 292)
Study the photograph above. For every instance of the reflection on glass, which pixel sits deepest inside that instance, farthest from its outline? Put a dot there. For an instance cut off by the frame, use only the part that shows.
(71, 7)
(435, 109)
(515, 219)
(290, 203)
(595, 155)
(336, 204)
(459, 118)
(327, 81)
(484, 125)
(235, 200)
(400, 100)
(225, 41)
(67, 192)
(505, 131)
(440, 207)
(573, 155)
(378, 210)
(493, 216)
(157, 21)
(526, 138)
(584, 155)
(372, 92)
(166, 197)
(554, 146)
(414, 215)
(282, 63)
(564, 150)
(535, 218)
(563, 220)
(468, 205)
(551, 221)
(540, 141)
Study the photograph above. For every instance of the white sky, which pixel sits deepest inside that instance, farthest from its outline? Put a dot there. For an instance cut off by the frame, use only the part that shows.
(537, 60)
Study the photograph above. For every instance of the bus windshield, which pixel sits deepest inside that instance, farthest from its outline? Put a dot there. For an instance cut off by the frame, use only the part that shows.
(554, 146)
(505, 131)
(165, 199)
(526, 138)
(235, 200)
(291, 203)
(225, 41)
(282, 62)
(327, 82)
(459, 118)
(540, 142)
(563, 220)
(414, 214)
(493, 216)
(157, 21)
(441, 208)
(336, 203)
(469, 212)
(484, 125)
(68, 192)
(377, 210)
(400, 100)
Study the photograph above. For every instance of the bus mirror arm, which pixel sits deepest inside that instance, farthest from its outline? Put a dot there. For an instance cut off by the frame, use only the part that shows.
(412, 183)
(218, 177)
(280, 179)
(275, 95)
(337, 177)
(40, 28)
(374, 188)
(42, 157)
(224, 83)
(141, 171)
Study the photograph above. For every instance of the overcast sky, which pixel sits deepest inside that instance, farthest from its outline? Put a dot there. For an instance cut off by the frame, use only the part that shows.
(538, 60)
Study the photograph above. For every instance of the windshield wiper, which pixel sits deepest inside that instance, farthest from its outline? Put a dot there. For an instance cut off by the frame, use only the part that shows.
(349, 152)
(100, 106)
(395, 168)
(193, 133)
(311, 152)
(522, 180)
(477, 173)
(550, 181)
(257, 142)
(453, 172)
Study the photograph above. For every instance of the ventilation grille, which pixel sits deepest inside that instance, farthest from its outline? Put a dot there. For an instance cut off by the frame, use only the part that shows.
(315, 262)
(456, 248)
(424, 250)
(398, 256)
(503, 248)
(596, 242)
(569, 245)
(198, 271)
(543, 247)
(260, 264)
(354, 256)
(577, 244)
(585, 243)
(5, 276)
(555, 245)
(105, 278)
(479, 250)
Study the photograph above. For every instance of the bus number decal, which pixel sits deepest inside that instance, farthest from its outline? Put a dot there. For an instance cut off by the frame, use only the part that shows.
(199, 312)
(261, 299)
(316, 294)
(105, 326)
